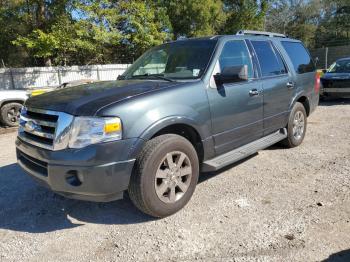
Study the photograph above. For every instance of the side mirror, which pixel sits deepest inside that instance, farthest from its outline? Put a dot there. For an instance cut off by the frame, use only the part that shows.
(324, 71)
(232, 74)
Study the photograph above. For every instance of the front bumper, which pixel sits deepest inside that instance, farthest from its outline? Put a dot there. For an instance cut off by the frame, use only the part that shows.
(98, 172)
(340, 92)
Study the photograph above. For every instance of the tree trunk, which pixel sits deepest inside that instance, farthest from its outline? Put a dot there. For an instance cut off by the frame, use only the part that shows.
(48, 61)
(40, 14)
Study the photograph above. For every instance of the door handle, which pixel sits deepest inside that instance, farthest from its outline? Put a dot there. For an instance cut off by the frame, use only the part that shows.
(290, 85)
(254, 92)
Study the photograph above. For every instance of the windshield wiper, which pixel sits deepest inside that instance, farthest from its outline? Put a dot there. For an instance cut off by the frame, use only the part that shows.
(159, 76)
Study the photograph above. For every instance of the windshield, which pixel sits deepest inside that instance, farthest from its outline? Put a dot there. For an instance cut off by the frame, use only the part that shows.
(187, 59)
(342, 66)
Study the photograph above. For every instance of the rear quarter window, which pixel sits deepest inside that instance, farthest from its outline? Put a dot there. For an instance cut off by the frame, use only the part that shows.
(299, 56)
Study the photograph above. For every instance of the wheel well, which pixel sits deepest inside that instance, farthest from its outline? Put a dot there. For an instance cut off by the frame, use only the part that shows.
(11, 101)
(305, 103)
(187, 132)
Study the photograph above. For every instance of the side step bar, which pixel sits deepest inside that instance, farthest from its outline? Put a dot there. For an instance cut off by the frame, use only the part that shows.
(244, 151)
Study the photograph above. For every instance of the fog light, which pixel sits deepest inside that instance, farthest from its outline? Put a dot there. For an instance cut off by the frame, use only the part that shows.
(74, 178)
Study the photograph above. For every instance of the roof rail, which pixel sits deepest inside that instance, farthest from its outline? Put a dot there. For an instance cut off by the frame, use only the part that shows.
(262, 33)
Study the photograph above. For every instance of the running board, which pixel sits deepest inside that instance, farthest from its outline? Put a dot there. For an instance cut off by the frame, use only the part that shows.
(244, 151)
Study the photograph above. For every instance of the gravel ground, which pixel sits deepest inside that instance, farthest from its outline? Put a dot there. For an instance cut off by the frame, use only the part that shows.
(278, 205)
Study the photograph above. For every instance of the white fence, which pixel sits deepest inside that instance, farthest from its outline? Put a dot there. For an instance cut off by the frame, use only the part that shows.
(39, 77)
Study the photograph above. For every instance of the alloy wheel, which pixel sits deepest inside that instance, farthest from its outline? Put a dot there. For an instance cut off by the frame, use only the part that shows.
(298, 125)
(173, 177)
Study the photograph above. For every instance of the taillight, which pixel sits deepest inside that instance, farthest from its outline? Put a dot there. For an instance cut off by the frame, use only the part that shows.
(317, 82)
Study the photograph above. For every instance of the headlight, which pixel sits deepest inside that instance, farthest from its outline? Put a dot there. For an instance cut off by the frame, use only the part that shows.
(92, 130)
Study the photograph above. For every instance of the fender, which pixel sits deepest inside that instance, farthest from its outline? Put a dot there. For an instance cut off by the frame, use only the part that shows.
(171, 120)
(296, 98)
(204, 133)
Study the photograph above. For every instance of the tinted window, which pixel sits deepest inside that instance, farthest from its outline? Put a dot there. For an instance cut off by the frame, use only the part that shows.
(300, 57)
(235, 53)
(271, 63)
(341, 66)
(280, 61)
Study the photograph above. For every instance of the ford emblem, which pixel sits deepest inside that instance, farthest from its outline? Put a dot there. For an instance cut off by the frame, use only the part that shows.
(30, 126)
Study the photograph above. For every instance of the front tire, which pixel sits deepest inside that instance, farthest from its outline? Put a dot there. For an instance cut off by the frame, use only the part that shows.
(10, 114)
(296, 127)
(165, 175)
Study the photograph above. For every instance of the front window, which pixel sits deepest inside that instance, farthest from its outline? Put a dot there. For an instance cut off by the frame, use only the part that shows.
(235, 53)
(187, 59)
(342, 66)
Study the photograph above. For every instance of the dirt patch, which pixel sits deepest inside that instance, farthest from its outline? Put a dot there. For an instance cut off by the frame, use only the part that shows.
(6, 130)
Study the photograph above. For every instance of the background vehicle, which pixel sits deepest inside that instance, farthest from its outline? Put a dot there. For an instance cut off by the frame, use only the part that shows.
(336, 80)
(11, 102)
(41, 91)
(183, 107)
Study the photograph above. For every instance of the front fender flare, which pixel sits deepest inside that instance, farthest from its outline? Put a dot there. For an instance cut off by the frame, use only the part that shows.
(172, 120)
(153, 129)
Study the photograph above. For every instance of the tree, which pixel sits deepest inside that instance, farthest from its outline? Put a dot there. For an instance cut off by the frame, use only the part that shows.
(193, 18)
(13, 22)
(244, 14)
(66, 32)
(126, 28)
(334, 26)
(316, 22)
(142, 25)
(25, 18)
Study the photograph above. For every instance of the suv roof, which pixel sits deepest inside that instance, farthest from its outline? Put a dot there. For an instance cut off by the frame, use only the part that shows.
(260, 33)
(245, 34)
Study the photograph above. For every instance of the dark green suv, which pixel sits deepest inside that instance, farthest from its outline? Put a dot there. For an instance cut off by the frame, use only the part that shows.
(182, 108)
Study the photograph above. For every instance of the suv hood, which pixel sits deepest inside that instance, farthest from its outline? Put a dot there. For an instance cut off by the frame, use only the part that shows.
(86, 100)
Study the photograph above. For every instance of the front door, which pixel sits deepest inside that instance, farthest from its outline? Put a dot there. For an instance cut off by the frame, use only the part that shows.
(236, 108)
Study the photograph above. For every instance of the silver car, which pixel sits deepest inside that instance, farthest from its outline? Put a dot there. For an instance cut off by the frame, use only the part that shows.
(11, 102)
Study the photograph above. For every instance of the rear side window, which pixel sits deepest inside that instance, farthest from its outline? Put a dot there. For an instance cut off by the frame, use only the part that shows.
(270, 61)
(300, 57)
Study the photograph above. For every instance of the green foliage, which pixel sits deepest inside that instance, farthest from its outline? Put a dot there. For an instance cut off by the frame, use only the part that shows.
(66, 32)
(142, 25)
(317, 22)
(193, 18)
(244, 14)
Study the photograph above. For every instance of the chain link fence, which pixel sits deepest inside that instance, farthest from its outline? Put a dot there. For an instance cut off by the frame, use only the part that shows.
(328, 55)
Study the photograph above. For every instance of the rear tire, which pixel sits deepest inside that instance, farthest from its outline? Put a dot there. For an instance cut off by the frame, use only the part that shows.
(10, 113)
(165, 175)
(296, 127)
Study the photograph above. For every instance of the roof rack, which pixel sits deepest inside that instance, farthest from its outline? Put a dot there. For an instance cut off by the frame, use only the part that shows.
(262, 33)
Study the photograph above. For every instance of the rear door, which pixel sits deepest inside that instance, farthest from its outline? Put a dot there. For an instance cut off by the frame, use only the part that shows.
(277, 83)
(236, 108)
(304, 70)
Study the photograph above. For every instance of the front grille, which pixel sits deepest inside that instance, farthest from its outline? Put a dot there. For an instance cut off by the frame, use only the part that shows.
(32, 165)
(38, 127)
(336, 83)
(43, 128)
